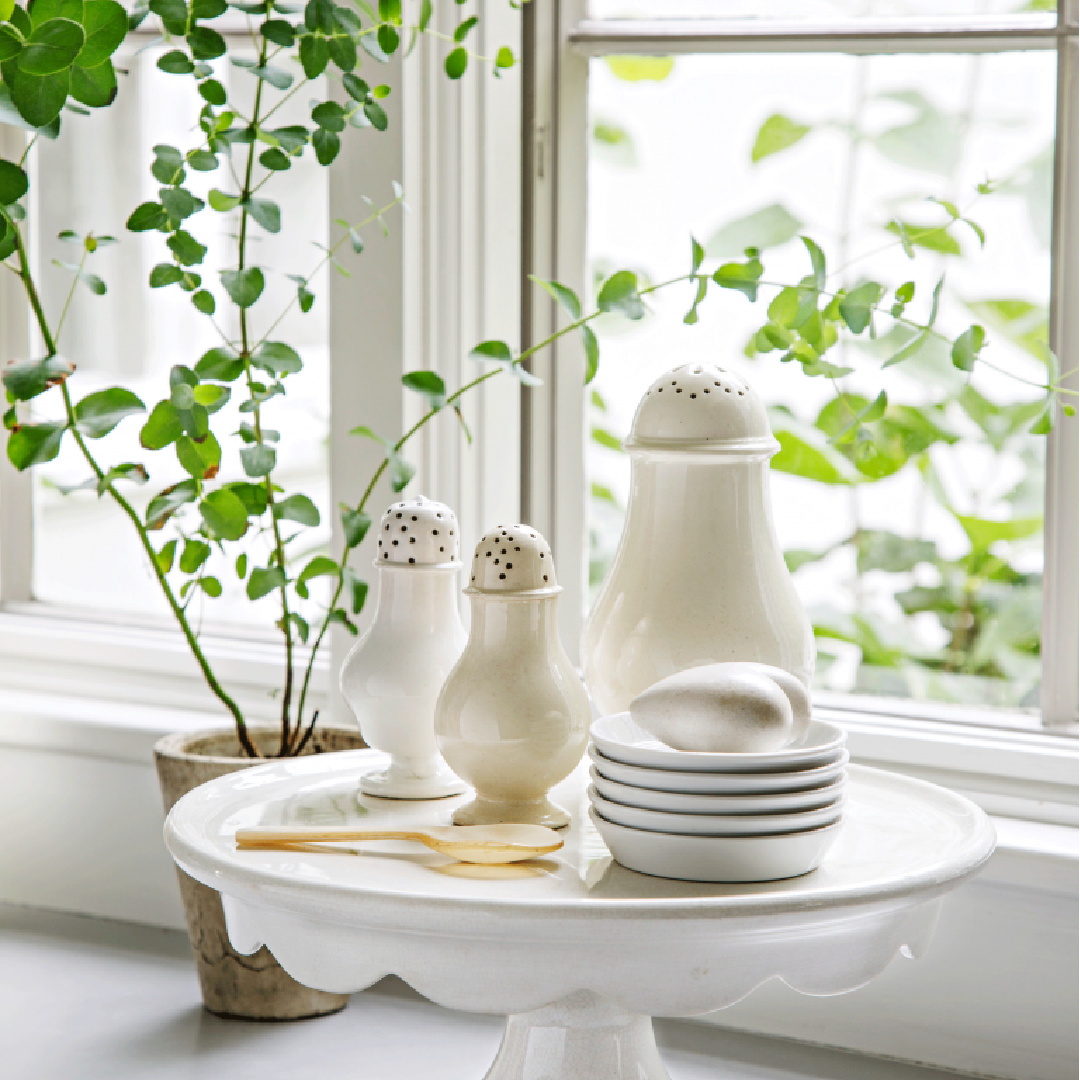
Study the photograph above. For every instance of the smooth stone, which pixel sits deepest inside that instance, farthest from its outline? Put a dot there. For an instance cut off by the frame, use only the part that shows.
(715, 709)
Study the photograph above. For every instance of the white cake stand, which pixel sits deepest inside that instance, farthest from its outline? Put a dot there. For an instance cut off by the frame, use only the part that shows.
(576, 950)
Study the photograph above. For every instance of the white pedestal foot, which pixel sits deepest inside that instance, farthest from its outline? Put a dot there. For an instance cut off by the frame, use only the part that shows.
(580, 1037)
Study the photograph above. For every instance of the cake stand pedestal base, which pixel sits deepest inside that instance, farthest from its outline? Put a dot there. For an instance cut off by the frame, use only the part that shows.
(580, 1037)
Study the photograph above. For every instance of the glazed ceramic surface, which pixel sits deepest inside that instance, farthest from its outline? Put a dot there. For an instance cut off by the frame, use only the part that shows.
(679, 803)
(698, 576)
(512, 718)
(723, 859)
(714, 825)
(725, 707)
(392, 676)
(620, 739)
(704, 783)
(580, 950)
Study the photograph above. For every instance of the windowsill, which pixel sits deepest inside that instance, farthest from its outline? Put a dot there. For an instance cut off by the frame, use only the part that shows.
(109, 1001)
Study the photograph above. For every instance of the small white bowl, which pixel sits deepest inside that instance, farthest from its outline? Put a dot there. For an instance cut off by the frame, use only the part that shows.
(633, 817)
(703, 783)
(619, 738)
(716, 858)
(784, 802)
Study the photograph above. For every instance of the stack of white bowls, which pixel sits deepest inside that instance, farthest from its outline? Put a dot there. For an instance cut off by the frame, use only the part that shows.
(716, 816)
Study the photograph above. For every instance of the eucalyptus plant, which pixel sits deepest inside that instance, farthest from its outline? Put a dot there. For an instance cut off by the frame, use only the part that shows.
(57, 57)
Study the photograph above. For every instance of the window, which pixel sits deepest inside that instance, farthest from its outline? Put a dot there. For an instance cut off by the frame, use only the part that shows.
(924, 574)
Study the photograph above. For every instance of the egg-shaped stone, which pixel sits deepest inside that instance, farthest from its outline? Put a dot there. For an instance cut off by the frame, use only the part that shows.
(717, 708)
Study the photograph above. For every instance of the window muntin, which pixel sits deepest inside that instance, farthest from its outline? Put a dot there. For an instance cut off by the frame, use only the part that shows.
(667, 150)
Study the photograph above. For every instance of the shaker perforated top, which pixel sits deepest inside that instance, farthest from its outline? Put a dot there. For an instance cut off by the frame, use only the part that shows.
(513, 559)
(418, 532)
(702, 407)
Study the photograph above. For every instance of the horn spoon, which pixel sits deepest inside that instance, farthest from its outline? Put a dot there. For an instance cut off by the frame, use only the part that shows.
(491, 844)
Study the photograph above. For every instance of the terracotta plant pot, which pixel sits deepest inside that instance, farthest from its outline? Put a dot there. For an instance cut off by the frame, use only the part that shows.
(236, 986)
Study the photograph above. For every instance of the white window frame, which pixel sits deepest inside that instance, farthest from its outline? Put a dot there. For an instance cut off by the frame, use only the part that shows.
(562, 41)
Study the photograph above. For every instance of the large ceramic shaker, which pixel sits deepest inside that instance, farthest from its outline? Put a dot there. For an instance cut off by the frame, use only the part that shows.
(393, 674)
(513, 717)
(698, 577)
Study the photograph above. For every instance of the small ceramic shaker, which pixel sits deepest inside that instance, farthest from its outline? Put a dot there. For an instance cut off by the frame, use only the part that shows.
(393, 674)
(513, 717)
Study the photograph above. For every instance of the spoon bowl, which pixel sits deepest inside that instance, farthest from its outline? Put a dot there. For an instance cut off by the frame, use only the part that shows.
(481, 844)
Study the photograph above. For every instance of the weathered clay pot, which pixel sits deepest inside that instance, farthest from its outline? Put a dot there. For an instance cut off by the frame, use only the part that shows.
(241, 987)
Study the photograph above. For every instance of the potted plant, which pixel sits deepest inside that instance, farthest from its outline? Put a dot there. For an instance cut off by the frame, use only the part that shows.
(57, 55)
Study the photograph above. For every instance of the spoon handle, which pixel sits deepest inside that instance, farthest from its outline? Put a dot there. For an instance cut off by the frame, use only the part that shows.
(261, 835)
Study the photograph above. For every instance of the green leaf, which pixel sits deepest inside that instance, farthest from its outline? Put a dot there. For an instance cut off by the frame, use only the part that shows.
(389, 39)
(221, 364)
(504, 58)
(163, 506)
(214, 93)
(243, 286)
(253, 496)
(338, 615)
(25, 379)
(355, 524)
(136, 473)
(266, 213)
(620, 294)
(39, 99)
(187, 249)
(212, 397)
(605, 438)
(222, 202)
(966, 348)
(200, 458)
(207, 44)
(210, 585)
(498, 351)
(94, 86)
(400, 472)
(162, 427)
(691, 316)
(204, 302)
(277, 358)
(912, 348)
(592, 353)
(33, 444)
(13, 183)
(10, 41)
(857, 306)
(298, 508)
(225, 515)
(456, 63)
(195, 553)
(982, 532)
(173, 14)
(164, 557)
(176, 62)
(258, 460)
(640, 68)
(326, 145)
(275, 159)
(777, 133)
(147, 216)
(165, 274)
(880, 549)
(817, 261)
(261, 582)
(932, 238)
(179, 203)
(275, 76)
(357, 590)
(844, 429)
(241, 565)
(566, 298)
(314, 55)
(98, 413)
(52, 47)
(376, 114)
(800, 456)
(428, 384)
(319, 566)
(461, 32)
(743, 277)
(769, 227)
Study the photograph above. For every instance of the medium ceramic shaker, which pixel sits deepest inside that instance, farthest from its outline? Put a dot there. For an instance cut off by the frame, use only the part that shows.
(513, 717)
(698, 577)
(393, 674)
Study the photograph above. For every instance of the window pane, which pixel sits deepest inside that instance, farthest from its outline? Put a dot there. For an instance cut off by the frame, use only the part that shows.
(912, 580)
(85, 552)
(825, 11)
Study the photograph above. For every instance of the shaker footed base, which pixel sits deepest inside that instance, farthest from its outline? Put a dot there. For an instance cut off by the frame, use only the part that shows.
(398, 783)
(524, 812)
